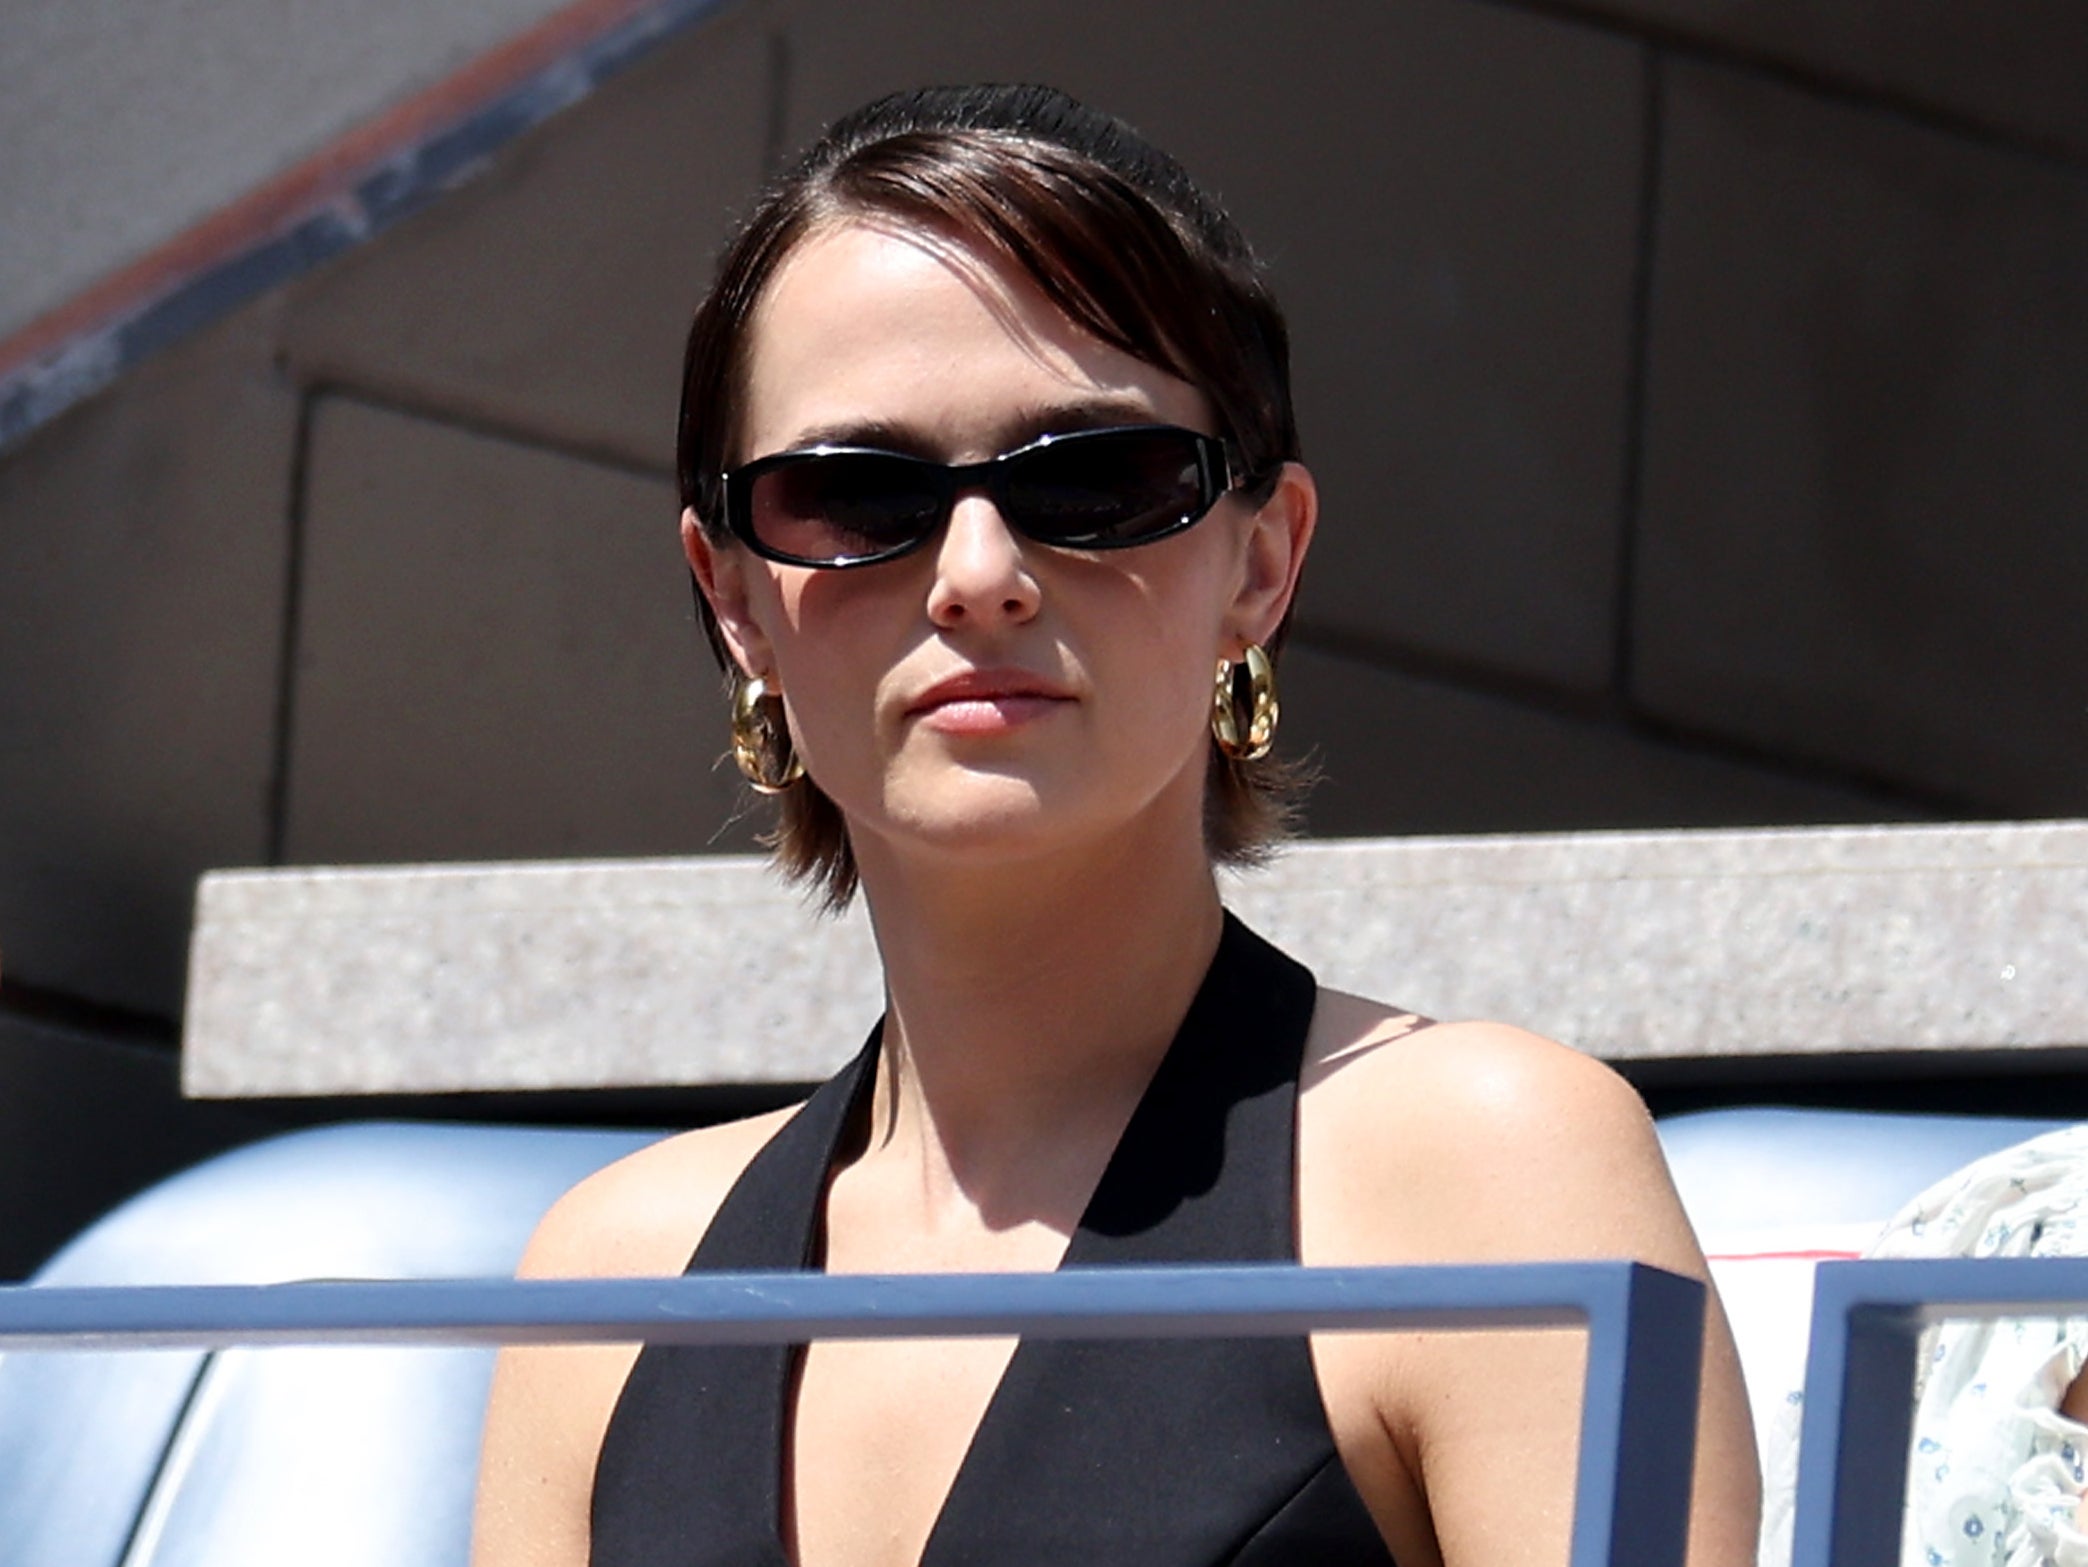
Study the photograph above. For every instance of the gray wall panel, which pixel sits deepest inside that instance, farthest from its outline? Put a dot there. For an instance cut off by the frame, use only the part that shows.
(1860, 555)
(2016, 67)
(1866, 472)
(1447, 194)
(552, 296)
(142, 562)
(1399, 754)
(497, 655)
(86, 1120)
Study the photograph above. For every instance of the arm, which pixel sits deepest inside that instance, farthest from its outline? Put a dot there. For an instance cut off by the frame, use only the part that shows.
(549, 1408)
(550, 1405)
(1479, 1143)
(2075, 1407)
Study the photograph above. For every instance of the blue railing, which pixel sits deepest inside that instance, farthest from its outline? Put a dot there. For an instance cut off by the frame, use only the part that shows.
(1859, 1384)
(1637, 1420)
(1638, 1416)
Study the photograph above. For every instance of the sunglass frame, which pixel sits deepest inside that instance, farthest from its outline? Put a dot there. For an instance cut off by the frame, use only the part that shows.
(1217, 476)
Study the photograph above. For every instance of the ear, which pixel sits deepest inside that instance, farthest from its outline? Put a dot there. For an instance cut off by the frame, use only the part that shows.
(1277, 539)
(721, 572)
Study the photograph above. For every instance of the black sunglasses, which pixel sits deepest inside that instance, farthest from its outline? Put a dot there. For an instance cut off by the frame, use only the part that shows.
(1085, 490)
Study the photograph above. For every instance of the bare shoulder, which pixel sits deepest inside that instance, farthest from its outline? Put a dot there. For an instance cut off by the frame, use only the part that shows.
(551, 1405)
(1481, 1142)
(1481, 1139)
(1458, 1080)
(644, 1214)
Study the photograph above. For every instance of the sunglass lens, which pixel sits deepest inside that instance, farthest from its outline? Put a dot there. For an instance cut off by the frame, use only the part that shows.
(843, 506)
(1108, 489)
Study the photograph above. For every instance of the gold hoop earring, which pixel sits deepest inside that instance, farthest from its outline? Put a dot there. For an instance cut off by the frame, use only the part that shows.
(1245, 737)
(761, 738)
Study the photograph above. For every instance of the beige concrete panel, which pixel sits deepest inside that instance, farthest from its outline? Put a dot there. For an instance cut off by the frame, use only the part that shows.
(2017, 67)
(1865, 475)
(1447, 194)
(142, 562)
(552, 294)
(1400, 754)
(497, 655)
(1637, 946)
(418, 979)
(580, 974)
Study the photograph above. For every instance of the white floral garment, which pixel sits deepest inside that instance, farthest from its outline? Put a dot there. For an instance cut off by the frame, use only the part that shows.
(1996, 1472)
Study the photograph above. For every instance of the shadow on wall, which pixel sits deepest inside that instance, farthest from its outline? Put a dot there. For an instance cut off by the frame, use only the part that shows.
(84, 1122)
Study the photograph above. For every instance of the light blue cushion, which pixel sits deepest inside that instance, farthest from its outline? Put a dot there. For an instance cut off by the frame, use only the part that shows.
(314, 1456)
(1748, 1169)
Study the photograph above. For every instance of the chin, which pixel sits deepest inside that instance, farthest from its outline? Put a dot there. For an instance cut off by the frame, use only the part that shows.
(982, 814)
(1011, 817)
(990, 815)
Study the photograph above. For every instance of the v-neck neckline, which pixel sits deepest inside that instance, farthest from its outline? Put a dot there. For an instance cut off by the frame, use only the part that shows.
(1120, 1202)
(1162, 1453)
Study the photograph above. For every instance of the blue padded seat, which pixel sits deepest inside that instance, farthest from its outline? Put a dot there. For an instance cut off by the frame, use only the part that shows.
(318, 1456)
(1773, 1191)
(1762, 1168)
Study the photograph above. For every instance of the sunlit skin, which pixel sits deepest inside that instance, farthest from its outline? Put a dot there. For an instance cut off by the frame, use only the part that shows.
(958, 368)
(2075, 1407)
(1018, 737)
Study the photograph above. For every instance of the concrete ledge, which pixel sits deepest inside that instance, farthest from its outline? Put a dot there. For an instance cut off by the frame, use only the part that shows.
(1650, 945)
(1634, 946)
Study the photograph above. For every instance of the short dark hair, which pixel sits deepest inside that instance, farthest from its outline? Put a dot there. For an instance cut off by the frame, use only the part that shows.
(1114, 233)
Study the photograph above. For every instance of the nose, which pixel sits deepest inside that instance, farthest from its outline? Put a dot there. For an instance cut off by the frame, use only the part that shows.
(981, 574)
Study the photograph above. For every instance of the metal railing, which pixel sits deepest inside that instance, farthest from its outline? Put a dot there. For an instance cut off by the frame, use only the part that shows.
(1638, 1414)
(1859, 1384)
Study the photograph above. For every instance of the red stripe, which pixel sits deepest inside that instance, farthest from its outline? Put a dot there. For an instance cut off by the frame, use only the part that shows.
(282, 203)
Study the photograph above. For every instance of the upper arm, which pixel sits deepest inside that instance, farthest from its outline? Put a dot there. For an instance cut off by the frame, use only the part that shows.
(1505, 1147)
(545, 1418)
(551, 1404)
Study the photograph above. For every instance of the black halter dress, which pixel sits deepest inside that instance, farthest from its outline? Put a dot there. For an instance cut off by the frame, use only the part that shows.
(1153, 1453)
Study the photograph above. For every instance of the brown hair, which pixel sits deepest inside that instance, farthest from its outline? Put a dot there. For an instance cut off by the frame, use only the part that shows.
(1115, 234)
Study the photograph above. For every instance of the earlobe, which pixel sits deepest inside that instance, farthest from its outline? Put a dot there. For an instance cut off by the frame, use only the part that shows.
(1277, 540)
(721, 576)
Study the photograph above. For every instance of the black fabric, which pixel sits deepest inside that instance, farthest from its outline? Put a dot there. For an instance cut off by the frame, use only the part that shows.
(1182, 1453)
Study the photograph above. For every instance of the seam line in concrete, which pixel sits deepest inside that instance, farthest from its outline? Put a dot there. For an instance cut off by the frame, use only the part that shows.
(775, 135)
(1652, 133)
(1604, 714)
(118, 335)
(464, 423)
(290, 634)
(111, 1024)
(1941, 805)
(1767, 64)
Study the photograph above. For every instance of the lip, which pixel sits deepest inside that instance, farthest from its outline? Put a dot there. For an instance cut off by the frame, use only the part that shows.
(988, 685)
(998, 697)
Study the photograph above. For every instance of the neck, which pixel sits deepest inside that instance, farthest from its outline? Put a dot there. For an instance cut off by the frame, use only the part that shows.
(1028, 1005)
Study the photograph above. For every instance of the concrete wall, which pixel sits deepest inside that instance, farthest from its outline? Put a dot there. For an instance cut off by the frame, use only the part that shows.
(1695, 388)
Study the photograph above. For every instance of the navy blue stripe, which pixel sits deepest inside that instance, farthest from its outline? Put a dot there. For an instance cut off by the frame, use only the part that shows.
(34, 394)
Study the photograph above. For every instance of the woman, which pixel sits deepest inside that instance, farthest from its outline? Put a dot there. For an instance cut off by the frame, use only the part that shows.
(989, 462)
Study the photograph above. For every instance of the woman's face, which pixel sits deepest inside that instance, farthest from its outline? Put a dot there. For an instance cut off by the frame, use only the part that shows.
(983, 692)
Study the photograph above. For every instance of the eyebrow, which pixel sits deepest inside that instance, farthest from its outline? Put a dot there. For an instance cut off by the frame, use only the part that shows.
(1027, 424)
